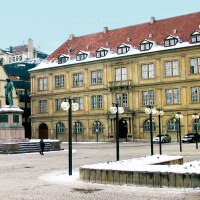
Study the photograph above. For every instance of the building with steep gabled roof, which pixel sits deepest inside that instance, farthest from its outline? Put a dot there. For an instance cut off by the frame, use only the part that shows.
(150, 64)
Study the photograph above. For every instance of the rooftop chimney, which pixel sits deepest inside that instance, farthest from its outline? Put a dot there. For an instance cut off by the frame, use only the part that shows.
(152, 20)
(10, 49)
(30, 48)
(105, 29)
(71, 36)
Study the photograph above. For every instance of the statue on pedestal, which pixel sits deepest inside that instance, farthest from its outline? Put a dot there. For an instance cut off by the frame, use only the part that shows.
(8, 92)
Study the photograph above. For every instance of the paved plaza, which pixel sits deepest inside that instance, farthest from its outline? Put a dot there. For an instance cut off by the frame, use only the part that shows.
(36, 177)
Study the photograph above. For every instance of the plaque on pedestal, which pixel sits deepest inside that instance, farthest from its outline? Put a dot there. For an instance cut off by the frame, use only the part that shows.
(11, 128)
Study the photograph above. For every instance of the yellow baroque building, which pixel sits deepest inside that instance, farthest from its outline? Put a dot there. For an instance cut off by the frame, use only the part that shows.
(156, 63)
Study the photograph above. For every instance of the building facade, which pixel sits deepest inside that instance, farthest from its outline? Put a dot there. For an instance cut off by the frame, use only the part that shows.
(22, 53)
(155, 63)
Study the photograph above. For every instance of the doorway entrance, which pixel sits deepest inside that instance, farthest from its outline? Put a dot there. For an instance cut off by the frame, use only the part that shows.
(43, 131)
(123, 128)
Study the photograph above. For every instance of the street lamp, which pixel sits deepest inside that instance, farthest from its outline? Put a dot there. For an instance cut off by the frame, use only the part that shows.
(159, 113)
(70, 106)
(179, 116)
(195, 116)
(176, 126)
(96, 129)
(115, 109)
(150, 110)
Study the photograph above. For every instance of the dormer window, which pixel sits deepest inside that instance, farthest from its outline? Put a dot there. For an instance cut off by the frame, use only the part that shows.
(122, 49)
(170, 41)
(195, 37)
(101, 52)
(81, 56)
(145, 45)
(63, 59)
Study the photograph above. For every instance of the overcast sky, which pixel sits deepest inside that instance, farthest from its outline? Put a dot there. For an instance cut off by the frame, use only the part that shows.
(49, 22)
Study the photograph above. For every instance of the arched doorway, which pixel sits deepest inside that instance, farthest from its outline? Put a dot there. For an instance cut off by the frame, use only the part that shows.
(43, 131)
(123, 128)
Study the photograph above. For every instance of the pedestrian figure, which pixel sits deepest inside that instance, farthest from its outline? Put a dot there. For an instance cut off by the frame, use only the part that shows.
(42, 145)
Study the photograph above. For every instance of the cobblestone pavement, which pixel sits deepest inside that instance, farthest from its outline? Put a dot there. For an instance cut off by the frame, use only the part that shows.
(22, 175)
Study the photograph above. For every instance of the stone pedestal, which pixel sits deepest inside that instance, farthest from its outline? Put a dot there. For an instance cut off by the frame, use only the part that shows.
(11, 128)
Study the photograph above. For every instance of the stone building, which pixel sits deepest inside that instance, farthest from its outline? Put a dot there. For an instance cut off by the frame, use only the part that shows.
(22, 53)
(155, 63)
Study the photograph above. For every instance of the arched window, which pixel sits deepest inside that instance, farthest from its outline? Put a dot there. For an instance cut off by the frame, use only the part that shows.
(60, 128)
(172, 125)
(97, 127)
(146, 126)
(78, 127)
(194, 126)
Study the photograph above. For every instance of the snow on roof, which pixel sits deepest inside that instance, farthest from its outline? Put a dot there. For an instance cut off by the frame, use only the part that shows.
(53, 64)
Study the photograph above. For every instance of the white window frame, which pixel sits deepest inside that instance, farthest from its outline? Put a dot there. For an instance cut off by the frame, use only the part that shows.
(172, 96)
(43, 83)
(60, 81)
(171, 68)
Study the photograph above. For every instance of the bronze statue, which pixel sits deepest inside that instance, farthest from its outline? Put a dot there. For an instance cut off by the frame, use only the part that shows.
(8, 92)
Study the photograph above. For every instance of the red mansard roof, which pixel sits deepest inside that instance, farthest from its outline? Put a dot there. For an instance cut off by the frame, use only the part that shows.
(181, 26)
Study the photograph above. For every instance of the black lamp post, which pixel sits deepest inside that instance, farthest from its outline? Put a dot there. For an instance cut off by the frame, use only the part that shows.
(195, 116)
(176, 126)
(70, 106)
(159, 113)
(117, 110)
(150, 110)
(96, 129)
(179, 116)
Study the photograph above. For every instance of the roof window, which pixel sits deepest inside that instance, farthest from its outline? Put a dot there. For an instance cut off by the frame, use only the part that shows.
(81, 56)
(62, 59)
(101, 52)
(122, 49)
(145, 45)
(170, 41)
(195, 37)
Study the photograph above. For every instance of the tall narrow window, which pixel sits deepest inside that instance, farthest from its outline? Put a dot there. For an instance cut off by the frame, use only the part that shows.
(171, 68)
(60, 81)
(97, 102)
(79, 100)
(42, 82)
(120, 74)
(194, 65)
(147, 71)
(43, 105)
(122, 100)
(78, 79)
(96, 77)
(58, 104)
(195, 94)
(172, 96)
(148, 97)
